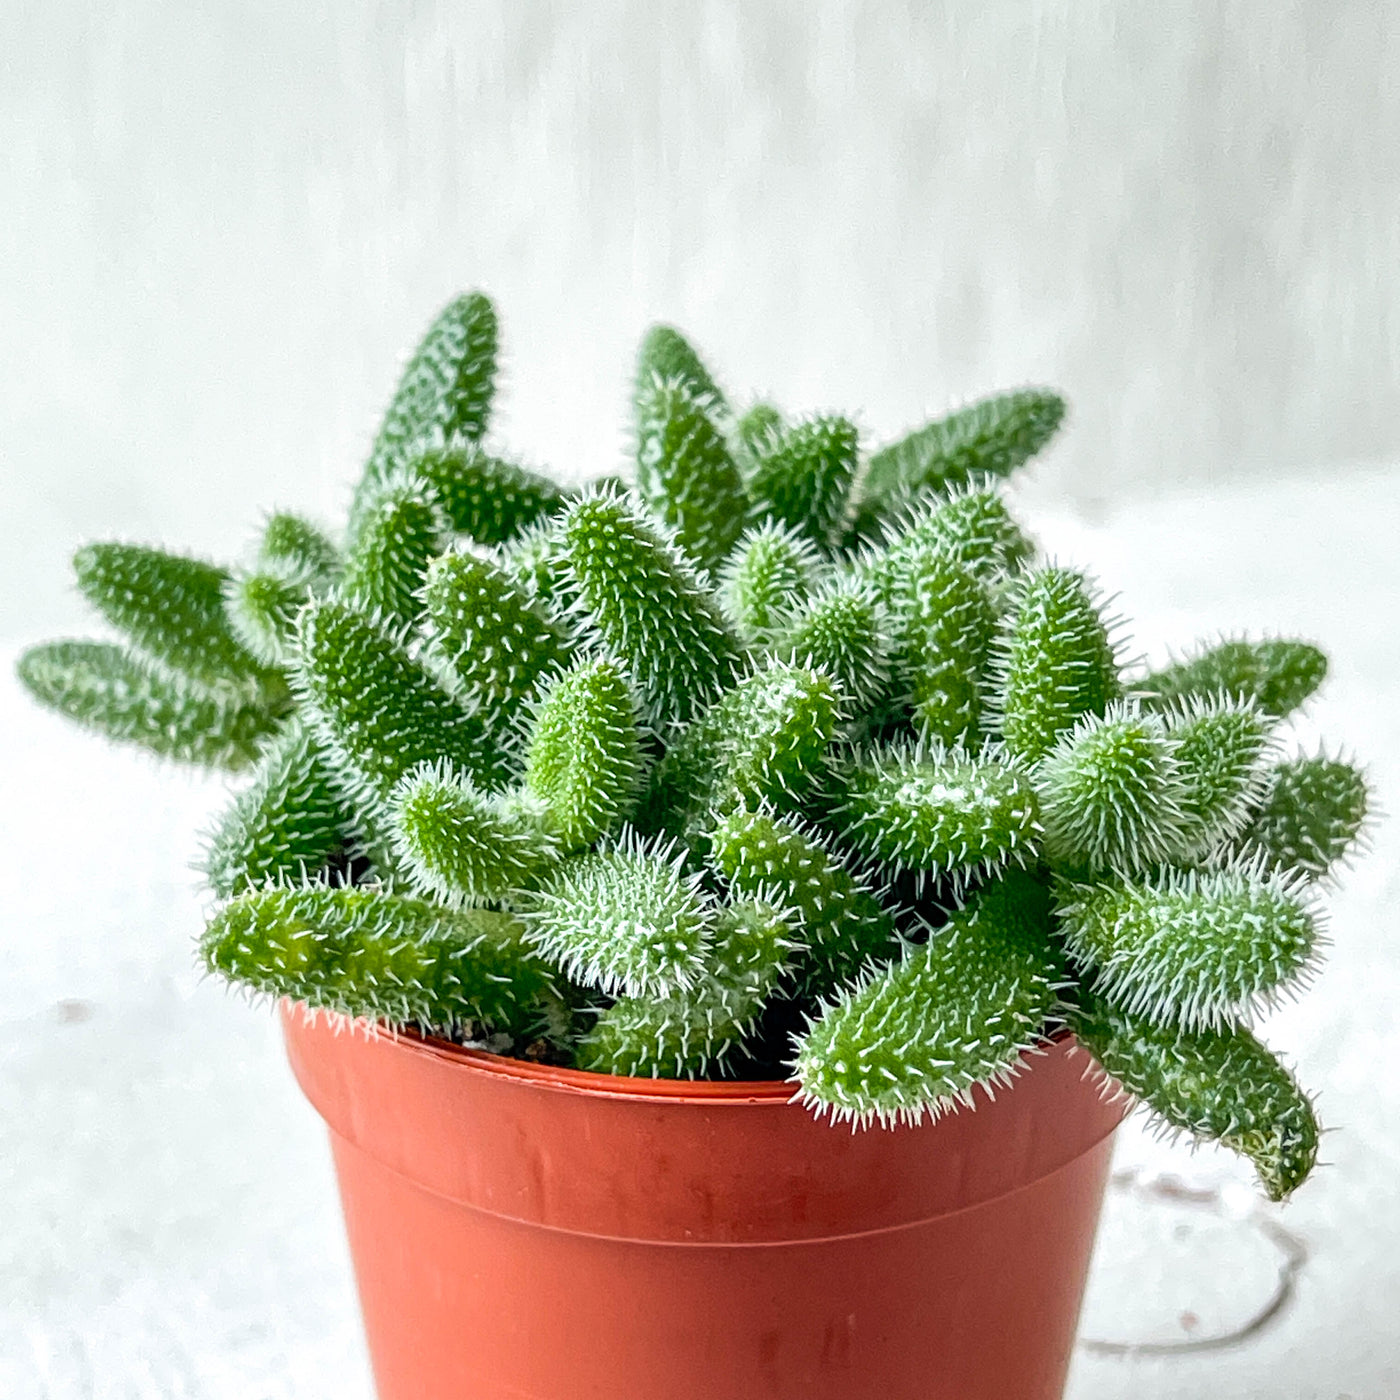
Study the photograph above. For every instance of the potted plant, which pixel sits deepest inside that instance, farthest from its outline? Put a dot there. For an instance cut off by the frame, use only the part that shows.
(627, 825)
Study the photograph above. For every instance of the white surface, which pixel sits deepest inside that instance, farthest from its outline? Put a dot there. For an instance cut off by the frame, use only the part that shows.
(224, 221)
(171, 1228)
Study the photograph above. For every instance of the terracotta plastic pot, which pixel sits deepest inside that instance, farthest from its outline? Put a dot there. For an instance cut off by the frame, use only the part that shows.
(525, 1233)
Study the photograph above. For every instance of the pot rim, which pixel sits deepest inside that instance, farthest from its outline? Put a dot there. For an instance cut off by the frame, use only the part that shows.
(590, 1083)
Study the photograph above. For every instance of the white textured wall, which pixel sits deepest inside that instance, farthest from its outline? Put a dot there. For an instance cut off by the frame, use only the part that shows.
(220, 223)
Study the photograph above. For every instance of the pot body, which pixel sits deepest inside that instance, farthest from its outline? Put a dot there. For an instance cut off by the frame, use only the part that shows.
(525, 1233)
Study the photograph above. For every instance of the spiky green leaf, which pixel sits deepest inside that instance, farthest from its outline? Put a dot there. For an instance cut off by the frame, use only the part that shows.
(486, 497)
(688, 1034)
(363, 952)
(841, 630)
(262, 609)
(766, 579)
(1190, 947)
(172, 609)
(296, 549)
(942, 621)
(1219, 1085)
(765, 741)
(536, 563)
(463, 845)
(401, 529)
(288, 824)
(802, 477)
(685, 472)
(972, 527)
(647, 606)
(1311, 814)
(841, 923)
(938, 813)
(1053, 663)
(666, 356)
(991, 437)
(1221, 748)
(957, 1011)
(445, 391)
(1112, 793)
(1277, 674)
(376, 710)
(628, 920)
(499, 645)
(105, 688)
(584, 760)
(755, 430)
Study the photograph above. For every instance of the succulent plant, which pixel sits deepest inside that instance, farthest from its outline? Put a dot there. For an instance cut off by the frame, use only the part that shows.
(791, 758)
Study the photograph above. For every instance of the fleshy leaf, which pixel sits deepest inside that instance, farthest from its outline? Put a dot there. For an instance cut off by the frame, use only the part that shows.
(362, 952)
(765, 741)
(972, 527)
(262, 609)
(687, 1034)
(375, 708)
(1053, 664)
(445, 392)
(536, 563)
(629, 921)
(1112, 793)
(841, 631)
(296, 549)
(105, 688)
(648, 607)
(288, 824)
(1278, 674)
(685, 473)
(1221, 748)
(991, 437)
(841, 923)
(401, 528)
(172, 609)
(462, 845)
(943, 622)
(755, 430)
(666, 356)
(499, 645)
(1312, 812)
(1197, 948)
(486, 497)
(938, 813)
(584, 759)
(766, 578)
(1219, 1085)
(802, 477)
(954, 1012)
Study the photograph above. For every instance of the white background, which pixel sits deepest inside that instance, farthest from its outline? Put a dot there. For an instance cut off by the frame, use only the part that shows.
(221, 225)
(223, 222)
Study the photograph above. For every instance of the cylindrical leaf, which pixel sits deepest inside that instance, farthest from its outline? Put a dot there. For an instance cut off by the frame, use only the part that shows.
(938, 813)
(1193, 947)
(584, 759)
(288, 824)
(1219, 1085)
(956, 1011)
(365, 953)
(106, 689)
(648, 608)
(375, 708)
(628, 921)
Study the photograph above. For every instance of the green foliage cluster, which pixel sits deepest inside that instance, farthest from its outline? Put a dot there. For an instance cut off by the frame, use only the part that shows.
(791, 756)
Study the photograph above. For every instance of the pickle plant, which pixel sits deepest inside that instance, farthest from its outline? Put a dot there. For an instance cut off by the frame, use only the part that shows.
(771, 755)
